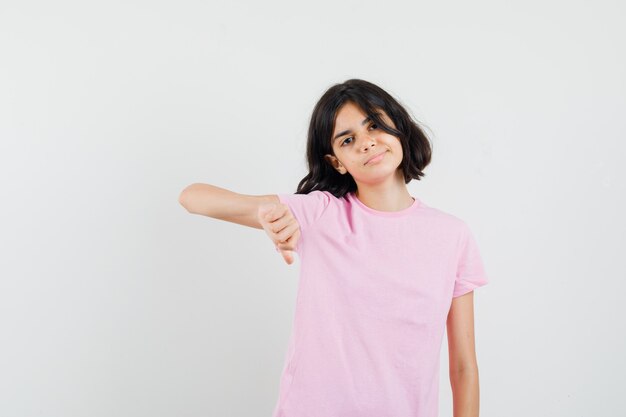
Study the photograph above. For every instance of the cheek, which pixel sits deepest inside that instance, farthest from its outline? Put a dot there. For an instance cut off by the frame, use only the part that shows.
(397, 149)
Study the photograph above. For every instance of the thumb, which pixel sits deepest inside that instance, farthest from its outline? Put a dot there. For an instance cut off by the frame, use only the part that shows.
(287, 255)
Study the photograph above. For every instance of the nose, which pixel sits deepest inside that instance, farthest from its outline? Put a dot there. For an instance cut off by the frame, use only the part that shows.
(368, 142)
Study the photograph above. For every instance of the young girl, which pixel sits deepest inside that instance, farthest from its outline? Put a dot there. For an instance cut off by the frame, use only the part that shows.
(382, 273)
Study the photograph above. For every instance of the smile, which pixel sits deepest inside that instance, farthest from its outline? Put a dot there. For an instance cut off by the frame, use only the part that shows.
(376, 158)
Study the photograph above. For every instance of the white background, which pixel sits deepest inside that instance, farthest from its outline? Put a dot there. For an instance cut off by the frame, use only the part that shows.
(114, 301)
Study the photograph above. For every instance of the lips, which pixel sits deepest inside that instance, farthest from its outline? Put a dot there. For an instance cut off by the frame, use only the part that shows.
(374, 157)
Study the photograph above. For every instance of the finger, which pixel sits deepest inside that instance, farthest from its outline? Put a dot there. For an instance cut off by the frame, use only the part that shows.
(286, 246)
(286, 233)
(277, 227)
(291, 242)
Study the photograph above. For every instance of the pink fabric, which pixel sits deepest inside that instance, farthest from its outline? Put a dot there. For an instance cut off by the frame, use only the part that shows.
(374, 292)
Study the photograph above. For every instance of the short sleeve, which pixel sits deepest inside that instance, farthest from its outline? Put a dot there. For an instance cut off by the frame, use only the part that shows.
(470, 271)
(306, 208)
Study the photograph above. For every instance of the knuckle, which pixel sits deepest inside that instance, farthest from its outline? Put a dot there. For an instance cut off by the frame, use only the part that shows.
(283, 238)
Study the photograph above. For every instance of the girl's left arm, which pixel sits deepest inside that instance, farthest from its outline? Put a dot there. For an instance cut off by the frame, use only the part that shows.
(462, 355)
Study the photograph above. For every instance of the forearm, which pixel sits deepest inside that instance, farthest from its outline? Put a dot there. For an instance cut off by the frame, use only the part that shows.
(465, 392)
(206, 199)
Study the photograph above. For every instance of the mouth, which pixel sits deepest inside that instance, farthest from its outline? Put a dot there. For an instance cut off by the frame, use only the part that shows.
(375, 158)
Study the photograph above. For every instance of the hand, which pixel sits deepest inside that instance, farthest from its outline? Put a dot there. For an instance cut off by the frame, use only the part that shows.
(282, 228)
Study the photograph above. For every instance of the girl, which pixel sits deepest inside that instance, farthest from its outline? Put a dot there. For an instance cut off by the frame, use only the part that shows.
(382, 273)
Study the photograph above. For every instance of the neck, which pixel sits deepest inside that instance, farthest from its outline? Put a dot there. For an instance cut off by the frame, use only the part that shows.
(392, 196)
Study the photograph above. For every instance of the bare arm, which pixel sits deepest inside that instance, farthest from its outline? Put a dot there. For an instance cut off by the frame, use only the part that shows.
(222, 204)
(462, 356)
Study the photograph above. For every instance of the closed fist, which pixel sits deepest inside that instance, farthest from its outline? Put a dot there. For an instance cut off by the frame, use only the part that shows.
(281, 227)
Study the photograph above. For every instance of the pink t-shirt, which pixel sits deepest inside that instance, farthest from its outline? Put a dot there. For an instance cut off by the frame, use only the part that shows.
(373, 297)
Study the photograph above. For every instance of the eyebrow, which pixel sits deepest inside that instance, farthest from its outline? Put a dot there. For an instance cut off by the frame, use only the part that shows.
(345, 132)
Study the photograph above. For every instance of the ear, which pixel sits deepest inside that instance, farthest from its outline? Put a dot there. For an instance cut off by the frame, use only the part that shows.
(335, 163)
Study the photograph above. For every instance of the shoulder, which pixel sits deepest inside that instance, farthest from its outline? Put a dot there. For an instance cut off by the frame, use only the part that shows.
(443, 217)
(308, 208)
(446, 225)
(316, 197)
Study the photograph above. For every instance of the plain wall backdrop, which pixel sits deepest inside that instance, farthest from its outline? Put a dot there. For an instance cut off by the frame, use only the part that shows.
(114, 301)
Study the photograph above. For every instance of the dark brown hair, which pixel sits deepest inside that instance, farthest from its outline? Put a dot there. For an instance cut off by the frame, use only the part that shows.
(416, 147)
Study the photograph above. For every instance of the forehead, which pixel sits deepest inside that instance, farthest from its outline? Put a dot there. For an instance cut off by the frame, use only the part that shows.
(350, 116)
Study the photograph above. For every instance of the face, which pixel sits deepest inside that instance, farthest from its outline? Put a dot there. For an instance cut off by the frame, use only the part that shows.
(356, 140)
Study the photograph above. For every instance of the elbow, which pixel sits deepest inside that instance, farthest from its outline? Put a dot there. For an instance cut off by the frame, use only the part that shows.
(470, 368)
(183, 198)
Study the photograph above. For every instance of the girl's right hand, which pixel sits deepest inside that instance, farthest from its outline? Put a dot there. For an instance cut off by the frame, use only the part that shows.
(281, 227)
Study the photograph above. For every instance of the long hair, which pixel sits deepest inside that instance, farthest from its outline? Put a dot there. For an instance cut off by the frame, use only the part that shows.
(416, 147)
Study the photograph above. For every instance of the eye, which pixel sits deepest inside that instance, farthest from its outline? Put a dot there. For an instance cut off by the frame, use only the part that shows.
(350, 137)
